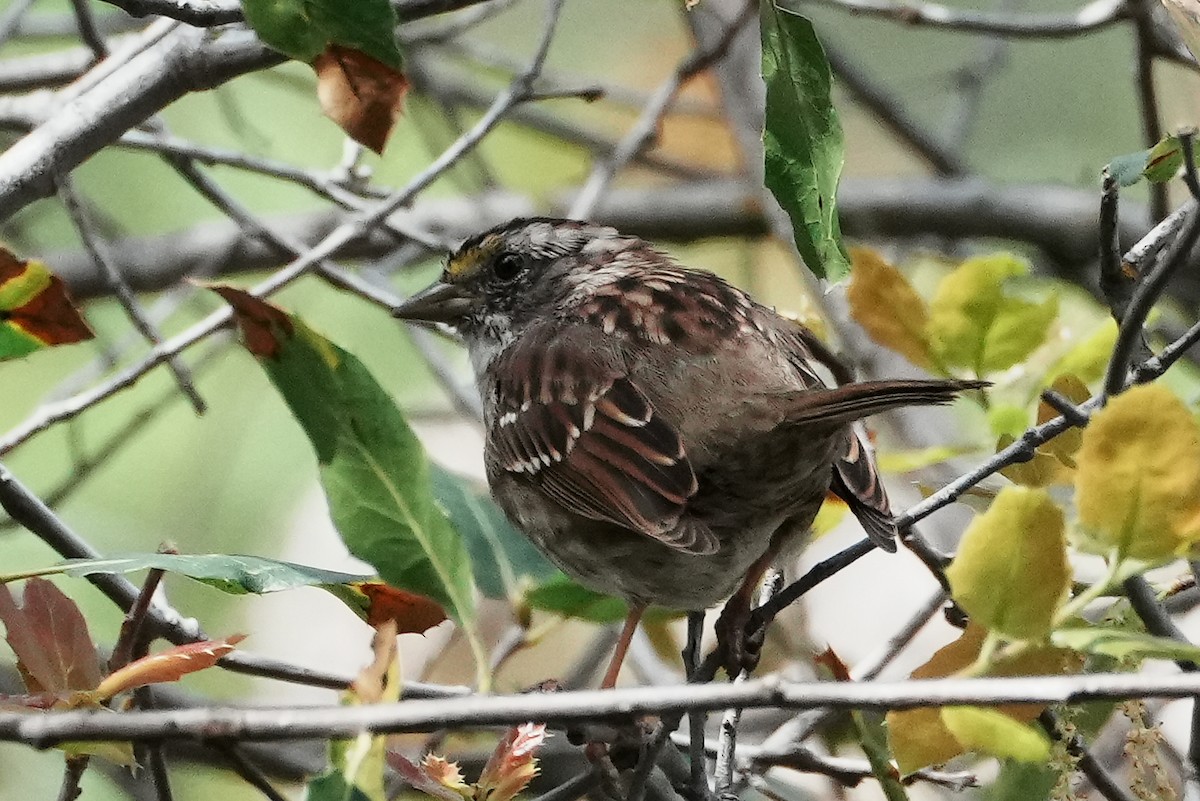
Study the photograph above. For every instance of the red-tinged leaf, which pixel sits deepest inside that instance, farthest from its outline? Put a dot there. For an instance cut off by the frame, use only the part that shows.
(263, 326)
(170, 665)
(513, 764)
(360, 93)
(434, 776)
(35, 309)
(50, 638)
(413, 613)
(446, 773)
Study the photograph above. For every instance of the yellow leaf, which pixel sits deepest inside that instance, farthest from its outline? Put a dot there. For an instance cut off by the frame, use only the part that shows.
(1138, 483)
(116, 753)
(887, 307)
(1011, 571)
(829, 516)
(920, 738)
(1065, 445)
(906, 461)
(1043, 470)
(992, 732)
(975, 323)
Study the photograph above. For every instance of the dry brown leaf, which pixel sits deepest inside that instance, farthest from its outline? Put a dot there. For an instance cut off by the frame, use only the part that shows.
(361, 94)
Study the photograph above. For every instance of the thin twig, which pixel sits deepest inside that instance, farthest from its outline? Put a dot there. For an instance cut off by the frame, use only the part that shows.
(1088, 18)
(971, 79)
(578, 787)
(248, 771)
(69, 408)
(29, 511)
(131, 627)
(153, 753)
(88, 31)
(850, 772)
(1150, 287)
(1187, 143)
(894, 116)
(1115, 284)
(133, 308)
(645, 129)
(72, 775)
(1087, 763)
(1158, 622)
(1147, 93)
(698, 777)
(10, 19)
(724, 774)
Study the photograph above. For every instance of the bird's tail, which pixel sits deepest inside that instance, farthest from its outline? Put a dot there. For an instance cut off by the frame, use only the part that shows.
(852, 402)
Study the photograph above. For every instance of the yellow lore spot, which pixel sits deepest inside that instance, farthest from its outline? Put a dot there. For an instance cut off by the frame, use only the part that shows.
(468, 263)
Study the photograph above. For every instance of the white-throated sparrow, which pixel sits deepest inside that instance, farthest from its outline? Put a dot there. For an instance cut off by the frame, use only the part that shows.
(656, 432)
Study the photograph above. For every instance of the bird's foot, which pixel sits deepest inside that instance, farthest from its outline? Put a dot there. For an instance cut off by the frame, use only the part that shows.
(739, 651)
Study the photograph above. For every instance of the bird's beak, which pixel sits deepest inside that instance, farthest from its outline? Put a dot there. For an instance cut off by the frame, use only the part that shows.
(439, 303)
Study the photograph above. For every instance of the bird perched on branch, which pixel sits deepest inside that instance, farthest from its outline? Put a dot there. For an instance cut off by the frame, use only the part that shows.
(658, 434)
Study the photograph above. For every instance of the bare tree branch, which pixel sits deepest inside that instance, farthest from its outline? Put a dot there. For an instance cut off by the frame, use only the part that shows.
(571, 707)
(1093, 16)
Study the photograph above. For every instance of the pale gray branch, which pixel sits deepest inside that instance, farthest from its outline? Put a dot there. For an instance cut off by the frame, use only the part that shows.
(571, 707)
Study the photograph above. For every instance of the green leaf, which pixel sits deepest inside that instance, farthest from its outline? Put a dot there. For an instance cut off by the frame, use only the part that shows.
(1011, 571)
(1021, 781)
(333, 786)
(367, 597)
(802, 140)
(302, 28)
(974, 322)
(374, 470)
(504, 560)
(230, 573)
(563, 596)
(1158, 165)
(1127, 170)
(1122, 644)
(1088, 359)
(1137, 486)
(991, 732)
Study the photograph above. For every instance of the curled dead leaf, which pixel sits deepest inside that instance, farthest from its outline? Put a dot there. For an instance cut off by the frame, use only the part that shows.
(360, 93)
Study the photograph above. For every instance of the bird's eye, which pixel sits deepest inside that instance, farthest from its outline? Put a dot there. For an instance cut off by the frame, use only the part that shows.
(508, 266)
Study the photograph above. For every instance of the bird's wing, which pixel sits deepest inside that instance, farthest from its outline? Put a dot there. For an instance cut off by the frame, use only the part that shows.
(589, 438)
(856, 481)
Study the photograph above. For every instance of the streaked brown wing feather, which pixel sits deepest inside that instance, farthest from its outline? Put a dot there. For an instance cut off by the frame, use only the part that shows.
(591, 440)
(856, 481)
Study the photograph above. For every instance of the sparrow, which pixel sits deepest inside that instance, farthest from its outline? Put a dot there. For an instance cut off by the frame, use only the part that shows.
(658, 434)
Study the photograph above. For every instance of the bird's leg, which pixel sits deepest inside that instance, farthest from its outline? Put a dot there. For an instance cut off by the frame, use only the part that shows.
(738, 654)
(614, 666)
(696, 717)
